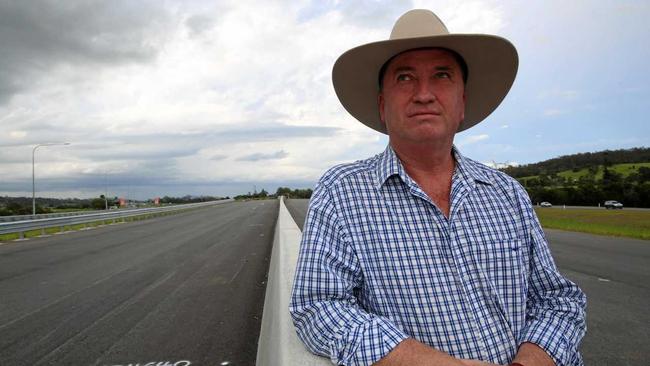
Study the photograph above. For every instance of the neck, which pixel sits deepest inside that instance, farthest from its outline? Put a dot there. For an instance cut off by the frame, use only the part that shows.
(432, 167)
(425, 159)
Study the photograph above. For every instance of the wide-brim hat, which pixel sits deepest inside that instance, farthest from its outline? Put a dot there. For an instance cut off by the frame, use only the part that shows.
(491, 61)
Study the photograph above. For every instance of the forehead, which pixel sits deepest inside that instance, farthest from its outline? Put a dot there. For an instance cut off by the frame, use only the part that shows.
(423, 56)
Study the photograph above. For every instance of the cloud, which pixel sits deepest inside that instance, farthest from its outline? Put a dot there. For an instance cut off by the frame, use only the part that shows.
(218, 157)
(555, 94)
(198, 24)
(17, 135)
(551, 112)
(496, 165)
(37, 37)
(261, 156)
(167, 96)
(472, 139)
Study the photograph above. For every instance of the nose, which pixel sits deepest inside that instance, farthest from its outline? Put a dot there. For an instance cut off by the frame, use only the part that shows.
(424, 92)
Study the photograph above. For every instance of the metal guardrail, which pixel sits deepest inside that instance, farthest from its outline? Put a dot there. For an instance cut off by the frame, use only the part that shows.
(41, 224)
(47, 215)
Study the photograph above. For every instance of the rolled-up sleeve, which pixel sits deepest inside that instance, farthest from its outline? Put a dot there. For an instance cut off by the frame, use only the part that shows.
(324, 310)
(556, 307)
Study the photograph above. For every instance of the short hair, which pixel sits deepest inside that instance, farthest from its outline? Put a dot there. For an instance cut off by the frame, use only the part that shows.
(458, 58)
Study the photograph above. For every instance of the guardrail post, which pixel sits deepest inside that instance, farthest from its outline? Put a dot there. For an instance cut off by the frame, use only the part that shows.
(21, 235)
(42, 231)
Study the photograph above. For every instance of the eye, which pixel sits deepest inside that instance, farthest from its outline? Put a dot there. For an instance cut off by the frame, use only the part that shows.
(404, 77)
(442, 75)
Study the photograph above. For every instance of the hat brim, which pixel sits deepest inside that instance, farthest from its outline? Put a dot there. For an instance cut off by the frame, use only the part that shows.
(492, 63)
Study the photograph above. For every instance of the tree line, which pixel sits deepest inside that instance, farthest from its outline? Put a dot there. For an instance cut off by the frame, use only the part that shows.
(23, 205)
(281, 191)
(589, 190)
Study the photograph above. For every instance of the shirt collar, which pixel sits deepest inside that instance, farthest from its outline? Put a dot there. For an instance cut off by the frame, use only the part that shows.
(468, 169)
(390, 165)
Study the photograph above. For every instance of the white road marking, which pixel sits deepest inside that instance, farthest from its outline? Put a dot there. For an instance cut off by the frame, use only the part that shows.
(604, 279)
(241, 266)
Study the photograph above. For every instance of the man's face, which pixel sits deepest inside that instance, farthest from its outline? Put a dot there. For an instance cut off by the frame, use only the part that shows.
(423, 97)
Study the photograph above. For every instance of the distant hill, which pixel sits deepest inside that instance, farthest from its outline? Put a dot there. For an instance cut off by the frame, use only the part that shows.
(580, 161)
(589, 178)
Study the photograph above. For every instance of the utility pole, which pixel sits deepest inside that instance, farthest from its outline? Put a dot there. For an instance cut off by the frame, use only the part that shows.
(106, 190)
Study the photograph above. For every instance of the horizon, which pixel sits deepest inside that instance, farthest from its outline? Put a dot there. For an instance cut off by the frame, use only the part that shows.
(222, 98)
(272, 192)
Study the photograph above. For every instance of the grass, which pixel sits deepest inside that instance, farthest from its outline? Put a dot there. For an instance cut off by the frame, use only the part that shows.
(61, 210)
(627, 223)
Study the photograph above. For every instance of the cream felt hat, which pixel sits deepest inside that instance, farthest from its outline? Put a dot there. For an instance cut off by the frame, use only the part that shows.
(491, 63)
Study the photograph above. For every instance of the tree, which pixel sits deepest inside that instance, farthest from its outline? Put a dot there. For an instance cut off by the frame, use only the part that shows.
(98, 203)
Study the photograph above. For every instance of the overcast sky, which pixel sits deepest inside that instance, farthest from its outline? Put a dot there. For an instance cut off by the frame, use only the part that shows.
(224, 97)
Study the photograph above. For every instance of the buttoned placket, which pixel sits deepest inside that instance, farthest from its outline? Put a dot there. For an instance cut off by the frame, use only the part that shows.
(455, 253)
(460, 191)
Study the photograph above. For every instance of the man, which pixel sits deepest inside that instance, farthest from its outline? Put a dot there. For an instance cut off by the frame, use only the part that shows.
(419, 255)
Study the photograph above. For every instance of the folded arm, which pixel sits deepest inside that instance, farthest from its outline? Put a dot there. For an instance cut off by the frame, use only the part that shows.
(555, 310)
(324, 308)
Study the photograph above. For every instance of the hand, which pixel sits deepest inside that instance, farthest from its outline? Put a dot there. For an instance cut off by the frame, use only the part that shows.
(476, 363)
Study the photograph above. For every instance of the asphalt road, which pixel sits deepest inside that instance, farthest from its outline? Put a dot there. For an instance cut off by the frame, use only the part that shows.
(562, 207)
(615, 275)
(187, 287)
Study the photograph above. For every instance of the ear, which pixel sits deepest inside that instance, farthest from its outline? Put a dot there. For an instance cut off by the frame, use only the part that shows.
(380, 104)
(462, 114)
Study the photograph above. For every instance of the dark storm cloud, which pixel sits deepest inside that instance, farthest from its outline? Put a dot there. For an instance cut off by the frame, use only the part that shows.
(227, 134)
(274, 131)
(37, 36)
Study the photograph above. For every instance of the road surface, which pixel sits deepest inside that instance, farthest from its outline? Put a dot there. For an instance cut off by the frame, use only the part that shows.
(182, 288)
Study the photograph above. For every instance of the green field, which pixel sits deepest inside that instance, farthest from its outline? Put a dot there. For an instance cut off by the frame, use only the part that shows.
(623, 169)
(628, 223)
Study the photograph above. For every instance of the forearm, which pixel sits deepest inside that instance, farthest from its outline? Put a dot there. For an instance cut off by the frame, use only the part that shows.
(555, 309)
(530, 354)
(413, 353)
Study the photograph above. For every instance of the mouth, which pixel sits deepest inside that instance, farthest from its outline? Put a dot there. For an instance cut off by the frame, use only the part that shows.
(423, 114)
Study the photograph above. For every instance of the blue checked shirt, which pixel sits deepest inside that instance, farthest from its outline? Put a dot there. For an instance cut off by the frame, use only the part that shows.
(379, 262)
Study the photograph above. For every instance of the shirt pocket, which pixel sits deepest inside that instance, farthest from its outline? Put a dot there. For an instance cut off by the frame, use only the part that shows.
(502, 271)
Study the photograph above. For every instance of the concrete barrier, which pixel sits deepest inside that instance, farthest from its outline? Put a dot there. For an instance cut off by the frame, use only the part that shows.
(278, 344)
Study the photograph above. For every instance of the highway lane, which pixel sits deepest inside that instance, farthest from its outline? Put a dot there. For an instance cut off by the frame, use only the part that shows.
(562, 207)
(615, 275)
(187, 287)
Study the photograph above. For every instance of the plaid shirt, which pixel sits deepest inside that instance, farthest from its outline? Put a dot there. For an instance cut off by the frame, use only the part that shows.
(379, 262)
